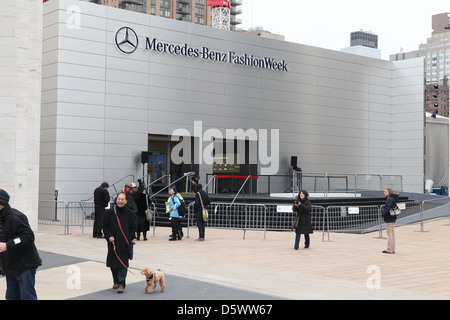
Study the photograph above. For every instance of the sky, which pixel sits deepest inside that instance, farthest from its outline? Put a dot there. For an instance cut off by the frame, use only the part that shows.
(328, 23)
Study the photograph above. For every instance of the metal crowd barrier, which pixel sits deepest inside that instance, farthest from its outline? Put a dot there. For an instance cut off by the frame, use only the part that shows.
(349, 219)
(234, 216)
(265, 217)
(52, 212)
(73, 214)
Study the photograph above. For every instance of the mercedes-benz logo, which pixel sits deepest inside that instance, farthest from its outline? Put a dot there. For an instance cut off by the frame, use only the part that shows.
(126, 40)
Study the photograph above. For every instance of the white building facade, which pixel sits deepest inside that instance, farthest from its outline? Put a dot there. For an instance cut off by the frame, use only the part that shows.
(20, 103)
(114, 78)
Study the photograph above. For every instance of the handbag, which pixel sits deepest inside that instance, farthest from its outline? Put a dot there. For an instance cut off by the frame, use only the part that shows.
(148, 212)
(296, 218)
(204, 211)
(395, 211)
(295, 222)
(149, 215)
(129, 244)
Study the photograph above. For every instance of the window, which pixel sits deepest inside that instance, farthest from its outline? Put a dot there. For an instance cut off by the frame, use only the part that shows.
(165, 13)
(165, 4)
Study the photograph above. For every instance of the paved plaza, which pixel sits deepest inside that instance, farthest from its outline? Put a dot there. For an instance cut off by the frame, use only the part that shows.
(228, 267)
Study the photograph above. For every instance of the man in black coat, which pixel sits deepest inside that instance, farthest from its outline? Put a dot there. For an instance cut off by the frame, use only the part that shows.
(119, 227)
(19, 257)
(101, 201)
(201, 201)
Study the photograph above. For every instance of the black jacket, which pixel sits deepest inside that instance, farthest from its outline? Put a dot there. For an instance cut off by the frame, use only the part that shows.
(304, 216)
(21, 253)
(391, 202)
(111, 228)
(198, 204)
(101, 196)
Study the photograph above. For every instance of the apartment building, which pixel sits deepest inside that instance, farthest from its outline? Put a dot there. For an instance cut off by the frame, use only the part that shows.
(436, 50)
(437, 98)
(195, 11)
(436, 53)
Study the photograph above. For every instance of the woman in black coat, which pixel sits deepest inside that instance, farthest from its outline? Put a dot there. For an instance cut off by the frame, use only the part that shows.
(115, 238)
(302, 207)
(141, 201)
(391, 202)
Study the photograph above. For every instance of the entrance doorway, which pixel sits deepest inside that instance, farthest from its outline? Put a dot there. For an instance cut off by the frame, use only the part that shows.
(234, 165)
(160, 166)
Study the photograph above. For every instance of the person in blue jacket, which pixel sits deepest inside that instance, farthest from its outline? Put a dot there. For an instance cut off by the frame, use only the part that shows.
(391, 202)
(174, 204)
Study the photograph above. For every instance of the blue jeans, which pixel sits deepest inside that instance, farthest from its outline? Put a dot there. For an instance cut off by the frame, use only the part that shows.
(21, 287)
(297, 240)
(119, 276)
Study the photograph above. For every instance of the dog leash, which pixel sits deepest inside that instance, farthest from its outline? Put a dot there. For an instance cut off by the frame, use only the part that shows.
(126, 240)
(114, 246)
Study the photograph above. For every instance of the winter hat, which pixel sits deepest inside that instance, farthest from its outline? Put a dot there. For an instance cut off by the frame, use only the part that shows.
(4, 197)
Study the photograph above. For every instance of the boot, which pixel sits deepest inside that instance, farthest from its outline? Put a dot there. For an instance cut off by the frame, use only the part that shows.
(173, 238)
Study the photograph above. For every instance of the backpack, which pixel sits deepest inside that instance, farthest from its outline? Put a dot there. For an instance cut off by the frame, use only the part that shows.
(182, 207)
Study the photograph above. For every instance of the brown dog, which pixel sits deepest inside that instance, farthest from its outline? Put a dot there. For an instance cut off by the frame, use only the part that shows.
(152, 279)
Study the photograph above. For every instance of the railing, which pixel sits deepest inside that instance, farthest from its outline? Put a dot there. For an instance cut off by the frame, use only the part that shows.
(233, 216)
(113, 186)
(242, 187)
(263, 217)
(266, 217)
(73, 214)
(185, 176)
(325, 183)
(148, 187)
(349, 219)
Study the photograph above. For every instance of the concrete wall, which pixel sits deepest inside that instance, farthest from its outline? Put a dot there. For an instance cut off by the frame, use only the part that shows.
(20, 103)
(408, 127)
(337, 112)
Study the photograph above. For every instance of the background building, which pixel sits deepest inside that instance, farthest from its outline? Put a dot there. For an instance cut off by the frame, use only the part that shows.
(363, 43)
(20, 103)
(260, 32)
(364, 38)
(101, 107)
(437, 98)
(195, 11)
(436, 51)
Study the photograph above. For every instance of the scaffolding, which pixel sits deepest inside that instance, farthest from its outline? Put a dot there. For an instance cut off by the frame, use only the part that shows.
(220, 14)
